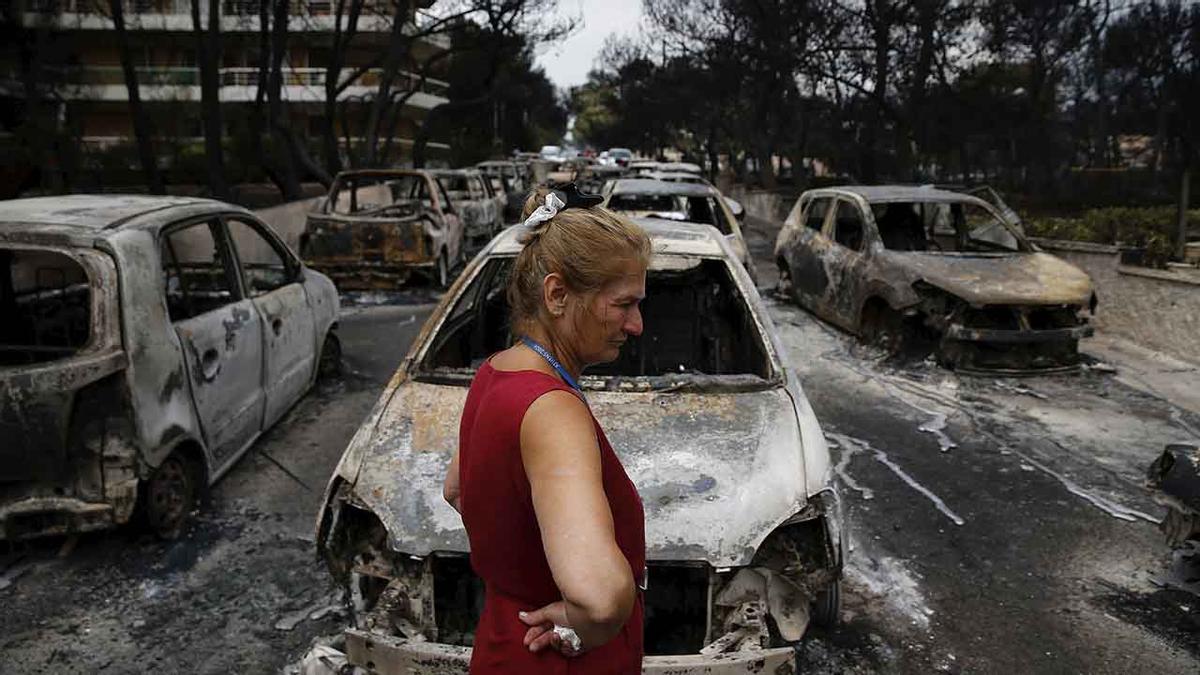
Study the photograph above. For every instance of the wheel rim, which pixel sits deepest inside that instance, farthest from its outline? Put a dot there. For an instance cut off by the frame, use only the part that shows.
(170, 495)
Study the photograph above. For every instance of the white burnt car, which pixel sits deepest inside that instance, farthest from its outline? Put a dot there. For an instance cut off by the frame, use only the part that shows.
(742, 522)
(145, 343)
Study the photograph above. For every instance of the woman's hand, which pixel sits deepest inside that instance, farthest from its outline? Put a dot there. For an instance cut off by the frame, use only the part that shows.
(541, 633)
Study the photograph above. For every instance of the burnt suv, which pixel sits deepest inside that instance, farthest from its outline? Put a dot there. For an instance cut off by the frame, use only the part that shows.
(922, 268)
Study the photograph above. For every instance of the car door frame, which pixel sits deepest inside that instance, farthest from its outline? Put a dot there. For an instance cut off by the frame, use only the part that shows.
(452, 219)
(804, 255)
(223, 450)
(282, 387)
(846, 267)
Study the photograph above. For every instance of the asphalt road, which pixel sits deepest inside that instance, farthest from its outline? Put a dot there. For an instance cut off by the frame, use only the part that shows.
(993, 526)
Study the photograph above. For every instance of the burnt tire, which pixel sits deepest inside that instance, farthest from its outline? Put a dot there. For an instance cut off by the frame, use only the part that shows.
(783, 287)
(884, 327)
(826, 610)
(330, 364)
(169, 496)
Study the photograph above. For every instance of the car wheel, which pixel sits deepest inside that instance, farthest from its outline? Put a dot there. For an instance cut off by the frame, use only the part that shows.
(169, 497)
(883, 327)
(330, 364)
(441, 275)
(827, 606)
(783, 287)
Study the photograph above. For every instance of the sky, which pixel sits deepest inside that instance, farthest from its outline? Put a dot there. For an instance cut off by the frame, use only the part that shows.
(568, 62)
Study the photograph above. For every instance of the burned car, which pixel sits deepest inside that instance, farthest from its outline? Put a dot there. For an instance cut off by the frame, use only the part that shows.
(742, 521)
(922, 268)
(377, 226)
(688, 202)
(1174, 479)
(481, 207)
(511, 180)
(146, 343)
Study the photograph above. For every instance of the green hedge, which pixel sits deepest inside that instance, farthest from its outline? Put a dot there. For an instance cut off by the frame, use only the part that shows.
(1152, 228)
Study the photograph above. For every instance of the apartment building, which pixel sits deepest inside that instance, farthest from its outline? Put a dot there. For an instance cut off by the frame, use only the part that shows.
(92, 95)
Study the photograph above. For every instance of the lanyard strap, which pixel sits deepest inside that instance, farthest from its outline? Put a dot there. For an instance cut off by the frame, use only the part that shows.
(545, 354)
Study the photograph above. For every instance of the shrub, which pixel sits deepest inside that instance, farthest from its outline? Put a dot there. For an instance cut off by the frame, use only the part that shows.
(1151, 228)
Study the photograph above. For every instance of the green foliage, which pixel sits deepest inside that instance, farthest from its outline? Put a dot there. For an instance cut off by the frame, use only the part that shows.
(1149, 228)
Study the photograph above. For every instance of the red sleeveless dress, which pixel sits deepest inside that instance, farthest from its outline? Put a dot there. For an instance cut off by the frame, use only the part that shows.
(506, 545)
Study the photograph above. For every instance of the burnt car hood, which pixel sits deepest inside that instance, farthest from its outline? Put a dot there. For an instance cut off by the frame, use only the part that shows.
(716, 472)
(999, 279)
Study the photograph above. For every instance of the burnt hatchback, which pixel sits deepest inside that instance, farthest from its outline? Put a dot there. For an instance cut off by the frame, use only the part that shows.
(742, 521)
(378, 226)
(146, 343)
(926, 268)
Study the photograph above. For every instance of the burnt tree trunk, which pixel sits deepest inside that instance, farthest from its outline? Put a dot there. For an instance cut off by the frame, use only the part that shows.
(142, 130)
(208, 56)
(281, 155)
(376, 116)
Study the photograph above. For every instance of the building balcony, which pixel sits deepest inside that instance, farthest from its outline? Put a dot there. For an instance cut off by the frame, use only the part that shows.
(237, 16)
(238, 85)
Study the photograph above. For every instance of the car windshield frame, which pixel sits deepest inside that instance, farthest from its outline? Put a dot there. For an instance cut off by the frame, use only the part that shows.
(689, 382)
(962, 233)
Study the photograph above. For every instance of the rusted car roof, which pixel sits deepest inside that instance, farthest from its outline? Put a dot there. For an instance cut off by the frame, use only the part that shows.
(882, 194)
(94, 212)
(650, 186)
(670, 237)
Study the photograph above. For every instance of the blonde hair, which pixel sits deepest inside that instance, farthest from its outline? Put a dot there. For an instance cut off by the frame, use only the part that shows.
(589, 247)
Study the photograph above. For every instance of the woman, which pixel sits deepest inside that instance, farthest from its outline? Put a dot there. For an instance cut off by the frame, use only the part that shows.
(555, 525)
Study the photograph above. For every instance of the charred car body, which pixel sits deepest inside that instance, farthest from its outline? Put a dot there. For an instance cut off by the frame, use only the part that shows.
(1175, 480)
(742, 522)
(690, 202)
(912, 266)
(376, 227)
(511, 180)
(146, 342)
(480, 207)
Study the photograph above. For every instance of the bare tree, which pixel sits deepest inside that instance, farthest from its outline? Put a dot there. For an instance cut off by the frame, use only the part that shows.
(208, 57)
(142, 131)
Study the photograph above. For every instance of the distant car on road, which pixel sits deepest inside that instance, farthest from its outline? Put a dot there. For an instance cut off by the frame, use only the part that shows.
(908, 266)
(377, 226)
(620, 156)
(552, 153)
(690, 202)
(743, 524)
(480, 207)
(146, 343)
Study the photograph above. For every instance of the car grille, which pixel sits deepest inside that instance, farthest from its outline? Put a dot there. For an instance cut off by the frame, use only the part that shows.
(676, 605)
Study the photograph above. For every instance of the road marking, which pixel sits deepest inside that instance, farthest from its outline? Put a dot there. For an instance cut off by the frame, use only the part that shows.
(882, 457)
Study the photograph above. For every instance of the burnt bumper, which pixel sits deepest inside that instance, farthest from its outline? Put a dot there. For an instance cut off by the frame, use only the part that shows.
(956, 331)
(366, 276)
(996, 351)
(48, 516)
(385, 655)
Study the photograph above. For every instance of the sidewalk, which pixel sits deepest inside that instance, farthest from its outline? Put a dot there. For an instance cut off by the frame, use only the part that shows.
(1156, 373)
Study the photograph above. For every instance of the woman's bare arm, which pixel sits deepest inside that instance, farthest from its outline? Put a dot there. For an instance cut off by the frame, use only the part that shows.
(562, 461)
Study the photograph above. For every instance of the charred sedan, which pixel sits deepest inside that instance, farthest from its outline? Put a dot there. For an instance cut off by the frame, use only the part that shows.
(690, 202)
(919, 267)
(743, 524)
(376, 227)
(146, 343)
